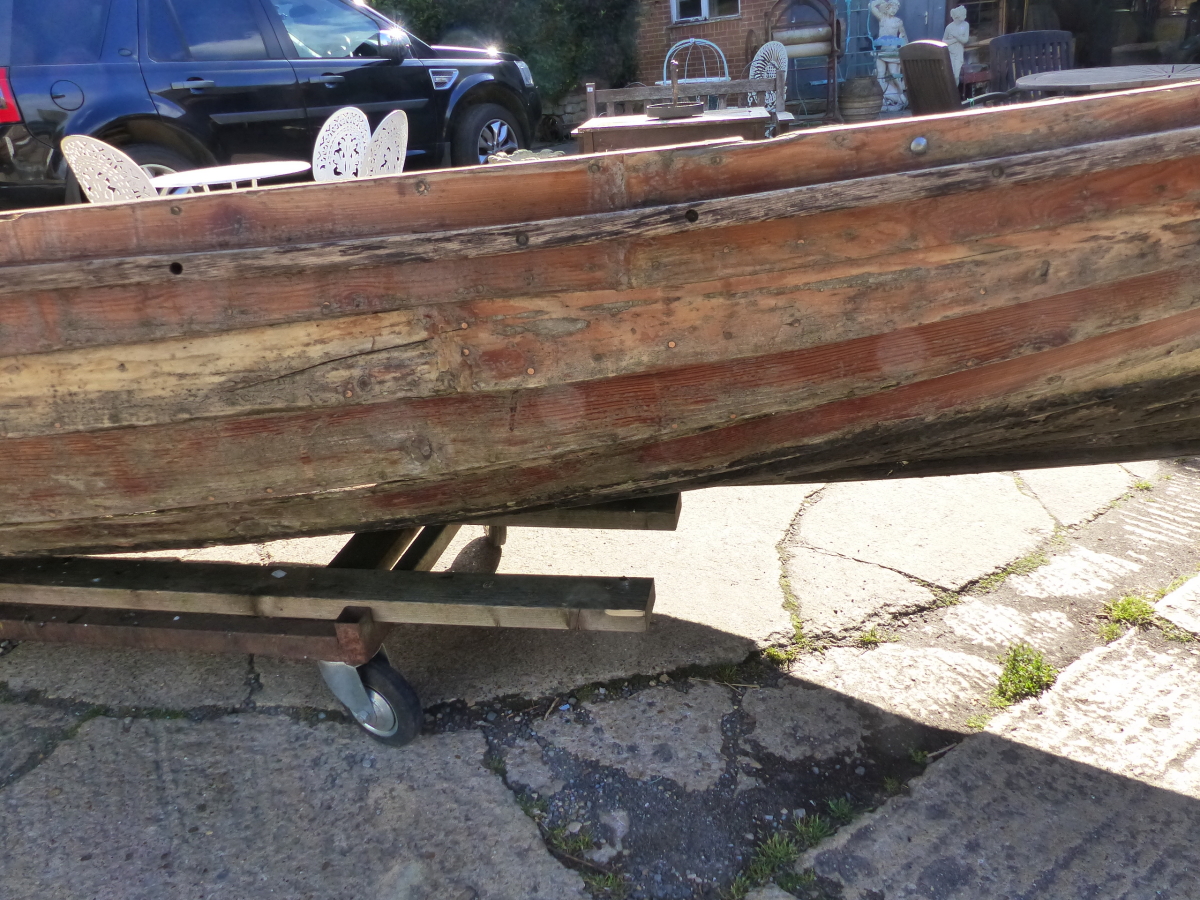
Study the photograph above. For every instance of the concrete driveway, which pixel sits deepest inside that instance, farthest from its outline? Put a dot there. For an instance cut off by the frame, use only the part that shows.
(813, 709)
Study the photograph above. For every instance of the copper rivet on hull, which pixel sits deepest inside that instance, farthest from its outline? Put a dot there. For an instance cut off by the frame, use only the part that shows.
(529, 371)
(463, 325)
(671, 344)
(466, 352)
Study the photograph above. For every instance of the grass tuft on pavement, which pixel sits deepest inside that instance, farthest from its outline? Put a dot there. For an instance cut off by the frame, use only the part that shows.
(1024, 673)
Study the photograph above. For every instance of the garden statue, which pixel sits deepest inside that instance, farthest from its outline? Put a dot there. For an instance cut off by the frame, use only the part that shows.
(892, 37)
(956, 36)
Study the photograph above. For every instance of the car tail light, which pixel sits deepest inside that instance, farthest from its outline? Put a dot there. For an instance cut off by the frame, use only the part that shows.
(8, 103)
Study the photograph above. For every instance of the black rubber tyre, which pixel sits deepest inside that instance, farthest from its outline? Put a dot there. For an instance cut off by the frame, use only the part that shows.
(399, 715)
(156, 160)
(484, 129)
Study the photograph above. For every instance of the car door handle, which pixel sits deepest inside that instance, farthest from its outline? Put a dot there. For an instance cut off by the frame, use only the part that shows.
(327, 79)
(192, 84)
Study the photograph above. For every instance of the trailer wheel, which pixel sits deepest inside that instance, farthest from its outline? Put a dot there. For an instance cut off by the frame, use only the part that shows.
(396, 713)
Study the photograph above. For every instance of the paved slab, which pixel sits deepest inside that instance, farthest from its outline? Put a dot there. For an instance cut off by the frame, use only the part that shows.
(1090, 792)
(798, 721)
(1182, 606)
(838, 597)
(257, 806)
(929, 685)
(929, 528)
(1077, 494)
(115, 678)
(27, 734)
(663, 732)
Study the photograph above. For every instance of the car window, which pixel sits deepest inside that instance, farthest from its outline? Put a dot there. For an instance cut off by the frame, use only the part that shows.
(328, 29)
(57, 32)
(203, 30)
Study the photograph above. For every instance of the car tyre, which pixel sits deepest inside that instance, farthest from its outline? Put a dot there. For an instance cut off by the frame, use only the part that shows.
(484, 129)
(156, 160)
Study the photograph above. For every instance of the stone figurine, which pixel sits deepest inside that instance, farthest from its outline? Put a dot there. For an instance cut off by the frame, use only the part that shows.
(892, 37)
(956, 36)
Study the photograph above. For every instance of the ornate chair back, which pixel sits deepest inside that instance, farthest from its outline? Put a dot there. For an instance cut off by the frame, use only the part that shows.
(770, 60)
(341, 145)
(105, 174)
(929, 78)
(389, 144)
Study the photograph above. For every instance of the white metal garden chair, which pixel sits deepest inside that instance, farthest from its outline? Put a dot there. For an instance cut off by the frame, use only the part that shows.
(105, 174)
(341, 147)
(389, 144)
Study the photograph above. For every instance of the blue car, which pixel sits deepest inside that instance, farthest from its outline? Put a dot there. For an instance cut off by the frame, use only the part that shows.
(179, 84)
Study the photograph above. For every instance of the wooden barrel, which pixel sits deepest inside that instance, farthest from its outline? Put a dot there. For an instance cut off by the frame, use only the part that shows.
(860, 99)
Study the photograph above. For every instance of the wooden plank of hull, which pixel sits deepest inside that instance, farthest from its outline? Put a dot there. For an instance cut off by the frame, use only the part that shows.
(1073, 386)
(437, 201)
(690, 366)
(316, 592)
(185, 464)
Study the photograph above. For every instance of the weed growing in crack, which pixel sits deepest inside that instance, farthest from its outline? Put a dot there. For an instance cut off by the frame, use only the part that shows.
(841, 810)
(1022, 566)
(873, 637)
(795, 881)
(1109, 631)
(534, 808)
(773, 854)
(608, 884)
(495, 764)
(1173, 632)
(811, 830)
(1132, 610)
(780, 656)
(1142, 485)
(918, 756)
(1024, 673)
(571, 844)
(892, 785)
(978, 722)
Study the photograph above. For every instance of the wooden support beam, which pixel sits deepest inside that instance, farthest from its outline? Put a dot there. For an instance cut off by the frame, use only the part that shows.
(659, 513)
(310, 592)
(374, 549)
(354, 637)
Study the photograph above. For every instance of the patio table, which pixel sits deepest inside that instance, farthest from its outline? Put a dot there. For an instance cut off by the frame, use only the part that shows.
(230, 175)
(1108, 78)
(630, 132)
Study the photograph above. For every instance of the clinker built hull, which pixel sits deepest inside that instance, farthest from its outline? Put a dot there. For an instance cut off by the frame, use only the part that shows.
(445, 345)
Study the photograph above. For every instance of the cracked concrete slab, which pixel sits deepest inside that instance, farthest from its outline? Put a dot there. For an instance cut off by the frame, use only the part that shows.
(658, 733)
(1182, 606)
(929, 528)
(996, 626)
(27, 733)
(116, 678)
(1090, 791)
(930, 685)
(1077, 494)
(1079, 572)
(242, 805)
(525, 764)
(838, 596)
(796, 721)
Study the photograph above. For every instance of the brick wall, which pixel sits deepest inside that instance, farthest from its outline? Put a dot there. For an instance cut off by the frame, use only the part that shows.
(657, 34)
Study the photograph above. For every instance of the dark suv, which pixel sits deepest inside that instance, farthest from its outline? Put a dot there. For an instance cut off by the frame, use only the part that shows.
(184, 83)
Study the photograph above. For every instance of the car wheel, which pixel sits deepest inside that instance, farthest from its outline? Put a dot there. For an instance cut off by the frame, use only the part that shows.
(483, 130)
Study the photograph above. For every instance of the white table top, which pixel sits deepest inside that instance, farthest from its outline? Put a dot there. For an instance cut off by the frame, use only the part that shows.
(231, 174)
(730, 114)
(1108, 78)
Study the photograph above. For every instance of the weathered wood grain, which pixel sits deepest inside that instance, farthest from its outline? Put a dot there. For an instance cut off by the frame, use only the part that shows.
(568, 187)
(282, 384)
(805, 200)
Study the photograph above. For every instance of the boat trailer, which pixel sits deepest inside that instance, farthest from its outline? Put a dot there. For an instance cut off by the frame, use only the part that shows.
(337, 615)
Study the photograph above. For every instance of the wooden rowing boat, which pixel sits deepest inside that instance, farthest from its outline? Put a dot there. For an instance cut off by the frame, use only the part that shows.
(969, 292)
